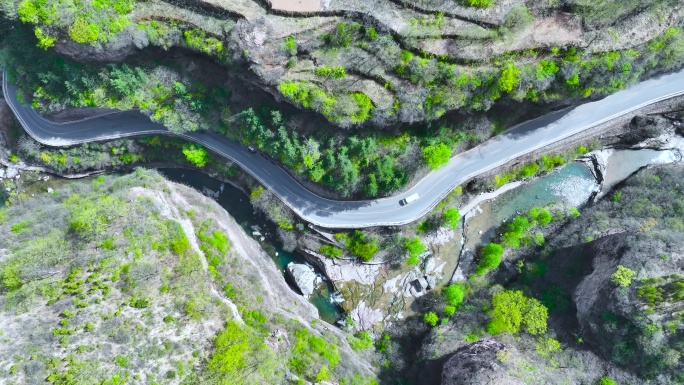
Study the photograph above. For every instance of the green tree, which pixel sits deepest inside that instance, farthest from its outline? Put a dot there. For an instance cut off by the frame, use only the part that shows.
(431, 318)
(490, 258)
(436, 155)
(451, 217)
(454, 294)
(509, 78)
(622, 276)
(195, 154)
(44, 41)
(84, 32)
(362, 246)
(607, 381)
(511, 311)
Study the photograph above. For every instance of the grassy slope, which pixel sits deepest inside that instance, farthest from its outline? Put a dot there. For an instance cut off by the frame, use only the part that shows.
(130, 280)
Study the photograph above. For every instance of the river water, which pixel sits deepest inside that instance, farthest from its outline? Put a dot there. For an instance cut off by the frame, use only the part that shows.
(237, 204)
(570, 186)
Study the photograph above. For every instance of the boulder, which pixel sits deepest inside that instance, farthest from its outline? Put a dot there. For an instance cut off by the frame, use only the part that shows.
(304, 277)
(11, 173)
(477, 364)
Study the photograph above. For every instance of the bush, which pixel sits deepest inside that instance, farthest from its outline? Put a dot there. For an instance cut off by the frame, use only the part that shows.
(607, 381)
(478, 3)
(454, 294)
(509, 78)
(415, 247)
(449, 310)
(195, 154)
(360, 341)
(490, 258)
(362, 246)
(623, 276)
(511, 311)
(451, 217)
(431, 318)
(437, 155)
(331, 251)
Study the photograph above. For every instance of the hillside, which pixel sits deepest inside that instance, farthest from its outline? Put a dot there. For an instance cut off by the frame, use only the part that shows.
(137, 280)
(401, 78)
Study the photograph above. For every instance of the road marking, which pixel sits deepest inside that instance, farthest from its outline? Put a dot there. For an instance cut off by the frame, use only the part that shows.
(494, 152)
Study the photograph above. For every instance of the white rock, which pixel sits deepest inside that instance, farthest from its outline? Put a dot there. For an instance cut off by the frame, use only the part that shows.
(2, 173)
(11, 173)
(304, 277)
(50, 190)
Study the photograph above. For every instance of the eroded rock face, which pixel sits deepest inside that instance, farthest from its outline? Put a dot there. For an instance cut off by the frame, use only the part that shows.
(304, 277)
(645, 127)
(477, 364)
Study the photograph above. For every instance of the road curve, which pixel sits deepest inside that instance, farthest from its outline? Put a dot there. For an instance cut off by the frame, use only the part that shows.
(517, 141)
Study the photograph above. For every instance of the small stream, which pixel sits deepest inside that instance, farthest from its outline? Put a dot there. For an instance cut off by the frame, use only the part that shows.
(237, 204)
(570, 186)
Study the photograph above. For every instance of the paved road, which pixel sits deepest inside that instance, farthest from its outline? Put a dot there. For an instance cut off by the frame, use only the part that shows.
(515, 142)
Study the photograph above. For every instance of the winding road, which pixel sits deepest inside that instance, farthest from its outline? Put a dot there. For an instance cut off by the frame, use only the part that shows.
(517, 141)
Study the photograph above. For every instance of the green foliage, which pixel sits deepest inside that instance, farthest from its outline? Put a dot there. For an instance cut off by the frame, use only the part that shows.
(86, 21)
(449, 310)
(451, 217)
(331, 251)
(360, 341)
(547, 346)
(291, 46)
(415, 248)
(44, 41)
(364, 107)
(436, 155)
(478, 3)
(546, 69)
(573, 80)
(196, 154)
(622, 276)
(309, 95)
(362, 245)
(454, 294)
(198, 40)
(343, 34)
(383, 343)
(509, 78)
(331, 72)
(431, 318)
(490, 258)
(541, 215)
(607, 381)
(310, 354)
(515, 231)
(511, 311)
(91, 215)
(616, 196)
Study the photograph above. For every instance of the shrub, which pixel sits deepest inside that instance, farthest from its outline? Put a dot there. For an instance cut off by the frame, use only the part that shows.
(415, 247)
(454, 294)
(490, 258)
(607, 381)
(478, 3)
(362, 246)
(360, 341)
(509, 78)
(437, 155)
(431, 318)
(541, 214)
(511, 311)
(451, 217)
(623, 276)
(331, 72)
(331, 251)
(195, 154)
(449, 310)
